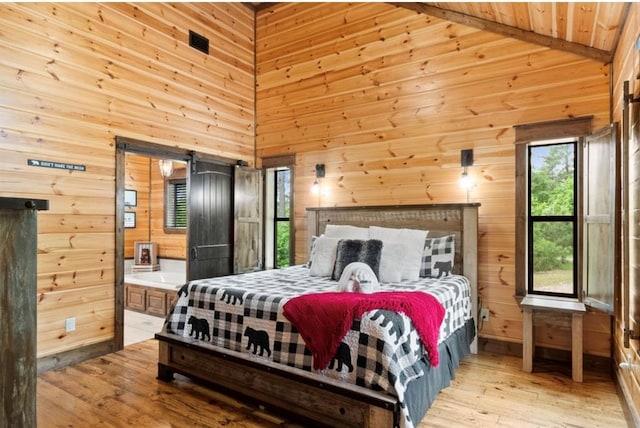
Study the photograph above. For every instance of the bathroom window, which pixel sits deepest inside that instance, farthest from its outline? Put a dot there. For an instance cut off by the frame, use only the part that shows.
(175, 217)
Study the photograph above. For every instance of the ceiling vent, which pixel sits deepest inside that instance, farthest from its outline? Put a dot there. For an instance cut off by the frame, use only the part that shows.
(199, 42)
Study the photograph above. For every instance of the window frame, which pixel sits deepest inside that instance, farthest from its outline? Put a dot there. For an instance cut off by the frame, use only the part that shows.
(573, 219)
(576, 128)
(269, 165)
(280, 219)
(170, 200)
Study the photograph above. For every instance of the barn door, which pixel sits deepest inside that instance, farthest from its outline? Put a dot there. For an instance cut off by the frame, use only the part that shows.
(248, 220)
(599, 219)
(210, 219)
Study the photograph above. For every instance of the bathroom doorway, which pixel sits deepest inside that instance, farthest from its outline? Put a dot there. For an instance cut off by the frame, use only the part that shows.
(152, 183)
(155, 240)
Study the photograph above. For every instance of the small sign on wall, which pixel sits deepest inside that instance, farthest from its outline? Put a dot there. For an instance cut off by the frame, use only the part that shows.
(57, 165)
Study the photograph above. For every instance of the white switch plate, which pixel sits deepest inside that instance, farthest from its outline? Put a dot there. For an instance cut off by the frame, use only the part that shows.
(484, 314)
(70, 325)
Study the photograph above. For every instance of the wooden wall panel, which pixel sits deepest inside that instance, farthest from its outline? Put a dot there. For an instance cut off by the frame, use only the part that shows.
(627, 68)
(386, 99)
(73, 76)
(170, 245)
(137, 177)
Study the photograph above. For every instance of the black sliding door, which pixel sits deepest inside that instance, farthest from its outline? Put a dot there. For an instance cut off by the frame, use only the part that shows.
(210, 220)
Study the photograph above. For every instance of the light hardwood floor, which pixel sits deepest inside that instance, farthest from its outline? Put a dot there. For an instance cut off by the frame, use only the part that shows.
(120, 390)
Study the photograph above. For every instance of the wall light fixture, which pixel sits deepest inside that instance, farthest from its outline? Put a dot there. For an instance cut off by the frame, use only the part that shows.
(466, 160)
(315, 187)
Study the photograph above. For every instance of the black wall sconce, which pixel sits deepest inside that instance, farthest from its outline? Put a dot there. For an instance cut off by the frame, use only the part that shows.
(466, 160)
(466, 157)
(315, 187)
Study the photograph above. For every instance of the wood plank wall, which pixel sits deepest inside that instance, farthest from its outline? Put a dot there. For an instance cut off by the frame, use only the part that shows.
(73, 76)
(626, 66)
(387, 98)
(384, 97)
(170, 245)
(137, 177)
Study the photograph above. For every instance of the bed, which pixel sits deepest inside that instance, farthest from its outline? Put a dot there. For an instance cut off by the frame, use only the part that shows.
(231, 331)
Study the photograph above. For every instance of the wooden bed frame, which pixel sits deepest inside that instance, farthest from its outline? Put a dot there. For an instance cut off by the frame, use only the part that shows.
(306, 394)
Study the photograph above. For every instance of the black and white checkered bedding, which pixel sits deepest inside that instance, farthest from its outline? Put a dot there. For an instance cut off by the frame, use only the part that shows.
(244, 313)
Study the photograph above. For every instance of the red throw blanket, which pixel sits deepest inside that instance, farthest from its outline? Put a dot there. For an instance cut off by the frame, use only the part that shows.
(323, 319)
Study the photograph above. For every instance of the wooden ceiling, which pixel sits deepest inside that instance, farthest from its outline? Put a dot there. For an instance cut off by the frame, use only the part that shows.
(589, 29)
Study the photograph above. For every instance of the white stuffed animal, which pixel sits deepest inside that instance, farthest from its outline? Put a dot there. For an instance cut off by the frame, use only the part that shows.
(357, 277)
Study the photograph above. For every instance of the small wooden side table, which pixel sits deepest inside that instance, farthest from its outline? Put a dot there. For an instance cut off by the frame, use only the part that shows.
(576, 310)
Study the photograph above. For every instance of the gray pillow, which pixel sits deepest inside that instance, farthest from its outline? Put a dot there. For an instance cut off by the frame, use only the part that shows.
(357, 250)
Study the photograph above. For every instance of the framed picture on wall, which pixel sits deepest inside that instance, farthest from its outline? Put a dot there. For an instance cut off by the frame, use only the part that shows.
(145, 253)
(130, 198)
(129, 219)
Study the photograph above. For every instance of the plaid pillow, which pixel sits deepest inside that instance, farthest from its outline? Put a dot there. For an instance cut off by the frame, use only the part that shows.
(437, 257)
(312, 247)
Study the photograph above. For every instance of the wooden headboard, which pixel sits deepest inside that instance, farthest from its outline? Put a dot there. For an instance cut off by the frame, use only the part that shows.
(460, 220)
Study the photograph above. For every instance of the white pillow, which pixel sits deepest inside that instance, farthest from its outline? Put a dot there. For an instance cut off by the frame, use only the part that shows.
(323, 257)
(391, 262)
(346, 232)
(412, 245)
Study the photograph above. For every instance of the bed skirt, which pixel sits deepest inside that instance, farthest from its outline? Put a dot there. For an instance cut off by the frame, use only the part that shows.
(422, 391)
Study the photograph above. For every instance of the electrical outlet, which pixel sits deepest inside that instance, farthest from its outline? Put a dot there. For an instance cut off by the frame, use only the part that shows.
(70, 325)
(484, 314)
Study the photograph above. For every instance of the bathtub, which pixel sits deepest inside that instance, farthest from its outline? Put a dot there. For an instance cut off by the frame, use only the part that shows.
(157, 279)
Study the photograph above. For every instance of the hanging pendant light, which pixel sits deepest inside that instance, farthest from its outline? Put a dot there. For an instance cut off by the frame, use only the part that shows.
(166, 167)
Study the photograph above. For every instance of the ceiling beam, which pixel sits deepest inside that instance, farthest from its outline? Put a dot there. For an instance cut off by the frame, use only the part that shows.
(258, 6)
(509, 31)
(623, 22)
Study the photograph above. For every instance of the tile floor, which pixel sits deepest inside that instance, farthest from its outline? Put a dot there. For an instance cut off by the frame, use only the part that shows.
(139, 327)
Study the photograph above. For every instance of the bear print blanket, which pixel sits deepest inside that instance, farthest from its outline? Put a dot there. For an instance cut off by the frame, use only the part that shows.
(381, 349)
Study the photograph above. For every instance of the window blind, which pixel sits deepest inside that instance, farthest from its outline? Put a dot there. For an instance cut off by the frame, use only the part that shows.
(176, 212)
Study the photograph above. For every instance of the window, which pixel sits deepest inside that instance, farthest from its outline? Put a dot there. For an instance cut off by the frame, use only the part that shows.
(279, 230)
(565, 248)
(282, 221)
(175, 204)
(552, 227)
